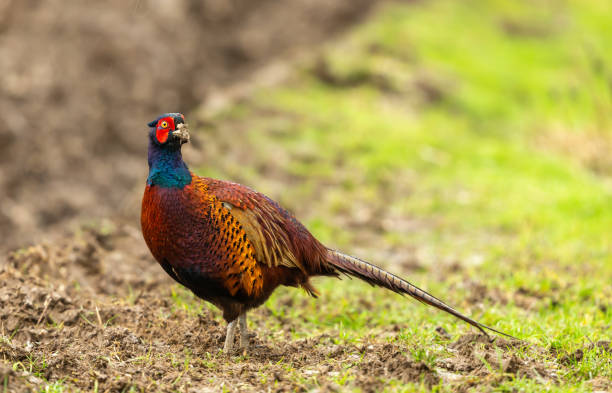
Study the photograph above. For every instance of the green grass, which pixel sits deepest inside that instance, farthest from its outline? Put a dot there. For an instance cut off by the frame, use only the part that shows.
(436, 132)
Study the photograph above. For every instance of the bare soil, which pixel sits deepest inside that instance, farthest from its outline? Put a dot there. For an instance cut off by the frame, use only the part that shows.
(81, 79)
(95, 312)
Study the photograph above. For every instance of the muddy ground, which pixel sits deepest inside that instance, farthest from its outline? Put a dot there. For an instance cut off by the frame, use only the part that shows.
(81, 79)
(93, 312)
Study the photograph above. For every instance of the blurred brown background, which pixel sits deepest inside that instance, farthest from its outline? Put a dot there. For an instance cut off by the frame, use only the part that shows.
(81, 78)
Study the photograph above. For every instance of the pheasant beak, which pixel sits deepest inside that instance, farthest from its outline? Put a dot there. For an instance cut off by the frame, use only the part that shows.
(182, 132)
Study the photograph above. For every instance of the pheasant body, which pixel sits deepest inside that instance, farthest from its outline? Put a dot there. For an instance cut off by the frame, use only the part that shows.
(233, 246)
(200, 243)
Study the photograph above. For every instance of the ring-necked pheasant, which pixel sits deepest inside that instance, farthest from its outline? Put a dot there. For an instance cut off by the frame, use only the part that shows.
(233, 246)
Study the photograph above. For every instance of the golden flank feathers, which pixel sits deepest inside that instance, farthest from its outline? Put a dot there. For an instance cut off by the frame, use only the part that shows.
(241, 272)
(270, 248)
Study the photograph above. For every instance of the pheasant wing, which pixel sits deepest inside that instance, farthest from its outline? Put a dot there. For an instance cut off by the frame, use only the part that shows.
(269, 228)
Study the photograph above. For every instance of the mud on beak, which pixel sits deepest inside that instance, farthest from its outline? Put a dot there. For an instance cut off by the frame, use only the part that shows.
(182, 132)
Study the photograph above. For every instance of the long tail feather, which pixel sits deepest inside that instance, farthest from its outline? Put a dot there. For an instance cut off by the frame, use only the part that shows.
(376, 276)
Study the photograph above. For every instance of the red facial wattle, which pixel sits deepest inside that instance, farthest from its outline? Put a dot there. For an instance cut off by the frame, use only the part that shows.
(164, 126)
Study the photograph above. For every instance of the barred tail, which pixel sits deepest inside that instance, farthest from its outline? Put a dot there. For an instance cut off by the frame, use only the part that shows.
(376, 276)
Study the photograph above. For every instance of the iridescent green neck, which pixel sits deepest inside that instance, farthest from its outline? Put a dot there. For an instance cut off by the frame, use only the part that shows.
(166, 167)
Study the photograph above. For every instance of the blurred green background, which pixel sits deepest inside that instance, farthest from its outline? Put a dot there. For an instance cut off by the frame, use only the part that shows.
(466, 145)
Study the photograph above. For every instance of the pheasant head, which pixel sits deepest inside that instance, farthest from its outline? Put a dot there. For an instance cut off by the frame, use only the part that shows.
(166, 166)
(169, 130)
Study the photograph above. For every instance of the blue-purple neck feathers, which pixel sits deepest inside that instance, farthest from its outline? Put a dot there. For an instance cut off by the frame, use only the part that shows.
(166, 167)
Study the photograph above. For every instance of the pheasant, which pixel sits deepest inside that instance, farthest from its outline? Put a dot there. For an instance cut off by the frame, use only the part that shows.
(233, 246)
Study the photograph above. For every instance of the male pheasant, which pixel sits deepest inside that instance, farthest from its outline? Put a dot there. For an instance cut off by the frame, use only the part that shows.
(233, 246)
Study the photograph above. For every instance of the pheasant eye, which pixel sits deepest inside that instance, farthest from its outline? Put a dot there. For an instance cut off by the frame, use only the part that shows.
(164, 124)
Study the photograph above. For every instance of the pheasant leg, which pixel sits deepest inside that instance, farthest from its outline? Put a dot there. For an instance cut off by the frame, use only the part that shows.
(229, 337)
(244, 334)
